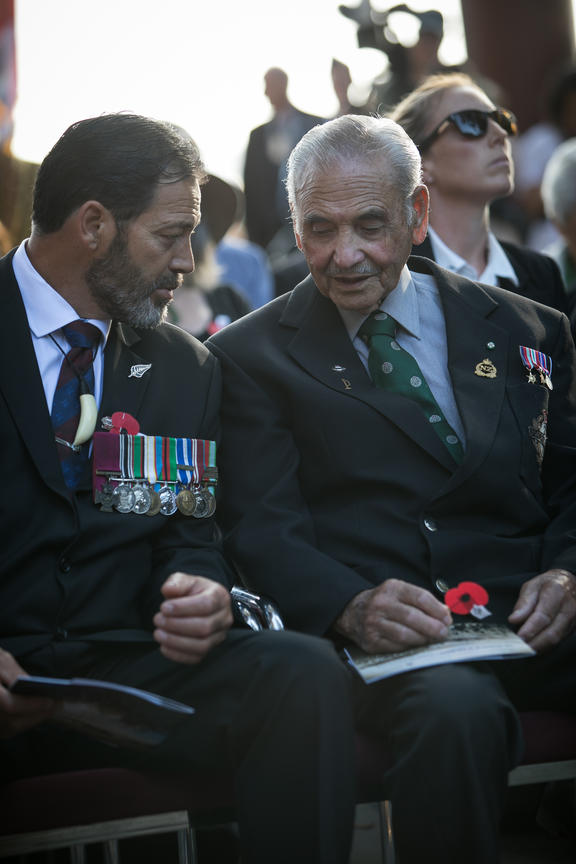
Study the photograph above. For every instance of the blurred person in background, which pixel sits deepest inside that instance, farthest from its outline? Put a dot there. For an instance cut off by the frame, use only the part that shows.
(408, 65)
(464, 142)
(269, 145)
(242, 264)
(6, 242)
(532, 151)
(559, 199)
(205, 303)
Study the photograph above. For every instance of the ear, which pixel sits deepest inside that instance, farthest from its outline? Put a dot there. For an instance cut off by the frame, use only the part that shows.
(96, 227)
(296, 234)
(420, 203)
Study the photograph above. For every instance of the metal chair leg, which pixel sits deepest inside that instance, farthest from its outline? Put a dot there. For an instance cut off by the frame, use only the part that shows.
(78, 854)
(187, 849)
(386, 833)
(111, 854)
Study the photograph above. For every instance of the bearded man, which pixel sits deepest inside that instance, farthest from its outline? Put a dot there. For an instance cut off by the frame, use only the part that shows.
(110, 564)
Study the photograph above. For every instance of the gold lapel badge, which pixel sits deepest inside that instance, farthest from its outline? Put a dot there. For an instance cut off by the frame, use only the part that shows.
(485, 369)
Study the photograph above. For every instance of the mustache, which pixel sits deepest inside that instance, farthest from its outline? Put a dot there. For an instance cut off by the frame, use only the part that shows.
(362, 269)
(171, 281)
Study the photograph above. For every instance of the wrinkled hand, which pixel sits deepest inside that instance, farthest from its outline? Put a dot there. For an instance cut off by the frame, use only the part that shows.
(194, 617)
(18, 713)
(545, 611)
(393, 617)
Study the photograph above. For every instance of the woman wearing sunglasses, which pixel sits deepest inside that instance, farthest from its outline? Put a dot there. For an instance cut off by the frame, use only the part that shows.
(464, 141)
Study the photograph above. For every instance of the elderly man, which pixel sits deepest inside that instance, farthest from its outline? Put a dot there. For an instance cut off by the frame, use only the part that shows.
(121, 576)
(383, 440)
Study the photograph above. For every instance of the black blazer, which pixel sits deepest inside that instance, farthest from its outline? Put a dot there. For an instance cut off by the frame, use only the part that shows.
(66, 567)
(539, 277)
(332, 486)
(261, 183)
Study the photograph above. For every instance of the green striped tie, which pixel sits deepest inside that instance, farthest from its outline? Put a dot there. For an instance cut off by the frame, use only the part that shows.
(394, 369)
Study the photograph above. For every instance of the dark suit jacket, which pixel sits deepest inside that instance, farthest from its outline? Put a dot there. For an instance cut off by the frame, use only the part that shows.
(66, 567)
(539, 277)
(332, 486)
(261, 183)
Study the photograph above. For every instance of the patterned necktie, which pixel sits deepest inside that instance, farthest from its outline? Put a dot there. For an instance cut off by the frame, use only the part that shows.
(395, 370)
(76, 377)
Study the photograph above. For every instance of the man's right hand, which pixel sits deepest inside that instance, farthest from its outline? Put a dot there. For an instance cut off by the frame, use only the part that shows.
(394, 616)
(18, 713)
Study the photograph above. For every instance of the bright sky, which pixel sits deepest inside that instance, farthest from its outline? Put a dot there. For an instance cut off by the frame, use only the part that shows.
(198, 63)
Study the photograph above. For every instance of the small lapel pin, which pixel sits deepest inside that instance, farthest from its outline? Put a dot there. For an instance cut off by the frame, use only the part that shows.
(338, 368)
(485, 369)
(139, 370)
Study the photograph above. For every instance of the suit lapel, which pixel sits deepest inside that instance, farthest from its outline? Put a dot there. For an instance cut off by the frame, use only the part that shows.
(472, 339)
(21, 383)
(321, 345)
(123, 390)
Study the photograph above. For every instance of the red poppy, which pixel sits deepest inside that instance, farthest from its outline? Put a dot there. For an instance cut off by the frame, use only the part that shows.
(122, 420)
(465, 596)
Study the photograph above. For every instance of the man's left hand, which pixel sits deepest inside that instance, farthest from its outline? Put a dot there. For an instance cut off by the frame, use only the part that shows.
(546, 609)
(194, 617)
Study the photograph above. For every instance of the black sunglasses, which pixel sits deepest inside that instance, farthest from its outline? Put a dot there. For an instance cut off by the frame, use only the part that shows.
(473, 124)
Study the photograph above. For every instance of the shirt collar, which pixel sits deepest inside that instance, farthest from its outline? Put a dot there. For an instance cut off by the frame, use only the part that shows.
(498, 265)
(401, 304)
(46, 309)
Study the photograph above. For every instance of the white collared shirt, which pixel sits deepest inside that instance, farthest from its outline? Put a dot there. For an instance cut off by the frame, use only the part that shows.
(498, 262)
(47, 313)
(415, 304)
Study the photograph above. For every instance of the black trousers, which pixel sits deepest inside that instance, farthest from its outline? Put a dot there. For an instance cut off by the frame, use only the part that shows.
(454, 734)
(274, 706)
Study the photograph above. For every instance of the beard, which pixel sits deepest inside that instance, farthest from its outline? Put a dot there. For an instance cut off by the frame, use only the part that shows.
(122, 291)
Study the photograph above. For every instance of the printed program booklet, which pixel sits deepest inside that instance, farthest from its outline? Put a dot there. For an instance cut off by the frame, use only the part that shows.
(466, 642)
(114, 713)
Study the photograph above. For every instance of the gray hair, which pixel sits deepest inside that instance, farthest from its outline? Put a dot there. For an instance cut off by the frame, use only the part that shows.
(558, 187)
(356, 137)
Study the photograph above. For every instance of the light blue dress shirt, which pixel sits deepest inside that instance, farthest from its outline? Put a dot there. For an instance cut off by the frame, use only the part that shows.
(47, 313)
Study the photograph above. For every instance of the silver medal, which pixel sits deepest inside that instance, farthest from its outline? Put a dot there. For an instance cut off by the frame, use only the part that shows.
(202, 503)
(168, 504)
(123, 498)
(142, 499)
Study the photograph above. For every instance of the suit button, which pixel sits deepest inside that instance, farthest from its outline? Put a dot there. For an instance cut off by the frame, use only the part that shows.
(65, 565)
(441, 586)
(61, 634)
(430, 524)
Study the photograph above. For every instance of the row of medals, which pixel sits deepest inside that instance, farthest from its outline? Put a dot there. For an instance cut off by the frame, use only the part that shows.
(140, 497)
